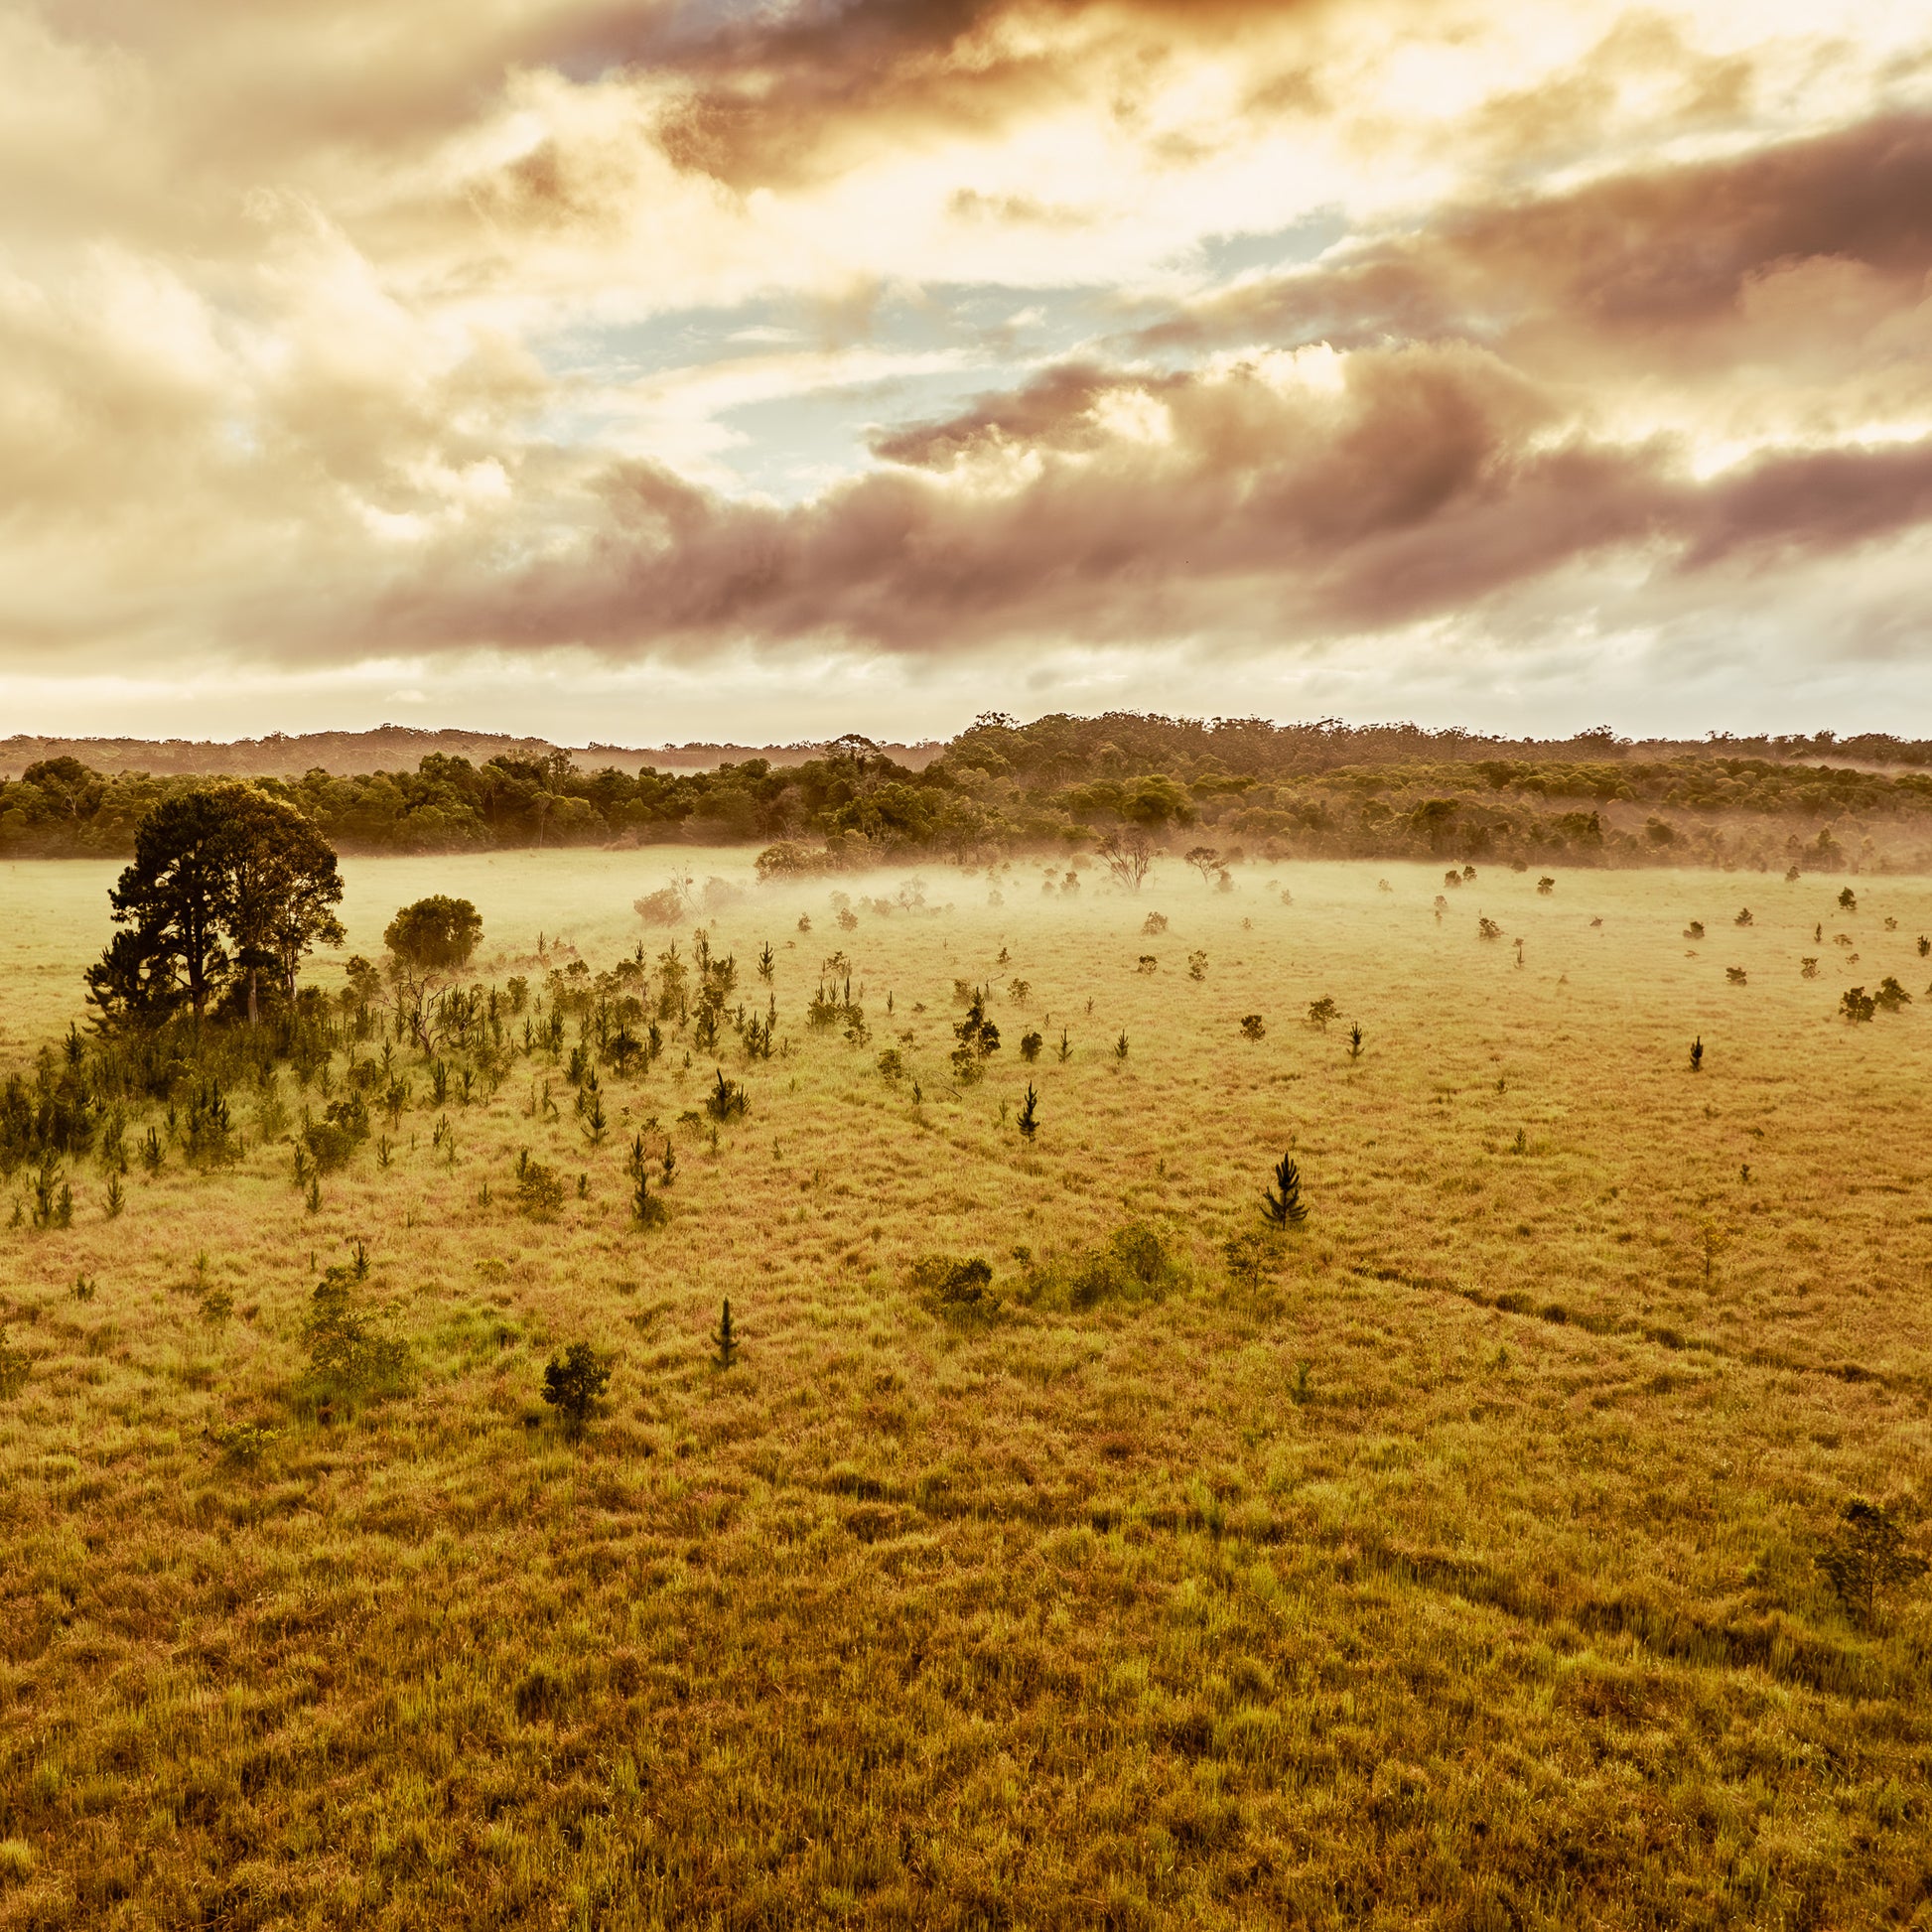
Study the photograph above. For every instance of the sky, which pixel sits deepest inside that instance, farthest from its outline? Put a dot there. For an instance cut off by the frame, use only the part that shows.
(761, 370)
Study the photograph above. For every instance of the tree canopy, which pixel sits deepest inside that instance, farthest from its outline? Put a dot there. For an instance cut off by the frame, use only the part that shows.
(437, 934)
(229, 888)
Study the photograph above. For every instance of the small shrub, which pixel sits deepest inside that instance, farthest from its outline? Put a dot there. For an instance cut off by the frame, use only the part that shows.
(1694, 931)
(1808, 969)
(953, 1286)
(1132, 1266)
(1030, 1045)
(665, 906)
(646, 1209)
(1154, 923)
(1488, 929)
(1864, 1553)
(1198, 966)
(1322, 1011)
(347, 1353)
(1697, 1055)
(1848, 900)
(1858, 1004)
(1546, 886)
(243, 1444)
(1891, 996)
(724, 1339)
(1744, 917)
(572, 1383)
(1149, 963)
(1029, 1122)
(1251, 1258)
(1120, 1045)
(1355, 1040)
(891, 1066)
(727, 1101)
(539, 1189)
(1253, 1027)
(1736, 975)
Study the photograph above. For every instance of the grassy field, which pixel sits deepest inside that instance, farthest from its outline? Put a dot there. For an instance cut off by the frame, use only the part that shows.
(1455, 1567)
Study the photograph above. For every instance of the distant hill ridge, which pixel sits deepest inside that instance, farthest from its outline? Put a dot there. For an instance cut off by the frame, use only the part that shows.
(387, 748)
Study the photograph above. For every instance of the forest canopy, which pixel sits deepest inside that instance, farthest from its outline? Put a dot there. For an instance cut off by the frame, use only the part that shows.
(1245, 785)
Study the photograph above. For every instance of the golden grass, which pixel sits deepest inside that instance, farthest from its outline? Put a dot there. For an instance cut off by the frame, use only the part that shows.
(1459, 1574)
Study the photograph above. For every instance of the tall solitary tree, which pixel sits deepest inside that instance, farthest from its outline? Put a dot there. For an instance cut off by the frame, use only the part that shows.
(227, 880)
(174, 897)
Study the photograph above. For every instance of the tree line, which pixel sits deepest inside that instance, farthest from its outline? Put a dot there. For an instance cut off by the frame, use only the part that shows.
(1314, 790)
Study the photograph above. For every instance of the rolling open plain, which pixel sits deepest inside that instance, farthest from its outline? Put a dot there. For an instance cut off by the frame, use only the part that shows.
(1451, 1561)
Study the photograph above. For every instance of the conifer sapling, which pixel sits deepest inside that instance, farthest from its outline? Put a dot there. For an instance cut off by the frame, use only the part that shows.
(725, 1337)
(1281, 1204)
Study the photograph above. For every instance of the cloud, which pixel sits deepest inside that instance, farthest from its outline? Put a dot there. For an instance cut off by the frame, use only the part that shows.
(342, 333)
(1643, 262)
(1285, 498)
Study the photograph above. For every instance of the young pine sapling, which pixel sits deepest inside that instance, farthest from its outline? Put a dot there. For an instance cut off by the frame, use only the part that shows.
(1281, 1205)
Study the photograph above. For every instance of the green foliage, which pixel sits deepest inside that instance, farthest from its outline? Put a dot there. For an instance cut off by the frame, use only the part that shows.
(1252, 1258)
(228, 889)
(539, 1189)
(953, 1287)
(575, 1382)
(727, 1101)
(243, 1444)
(1865, 1554)
(1281, 1204)
(725, 1340)
(1133, 1265)
(348, 1352)
(978, 1041)
(437, 934)
(646, 1209)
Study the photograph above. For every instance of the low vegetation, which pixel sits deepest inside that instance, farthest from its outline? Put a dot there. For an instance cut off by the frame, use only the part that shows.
(535, 1424)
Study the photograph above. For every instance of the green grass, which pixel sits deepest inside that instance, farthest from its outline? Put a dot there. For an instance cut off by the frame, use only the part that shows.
(1457, 1571)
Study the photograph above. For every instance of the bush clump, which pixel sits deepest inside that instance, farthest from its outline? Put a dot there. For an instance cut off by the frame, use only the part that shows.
(1134, 1264)
(955, 1288)
(349, 1354)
